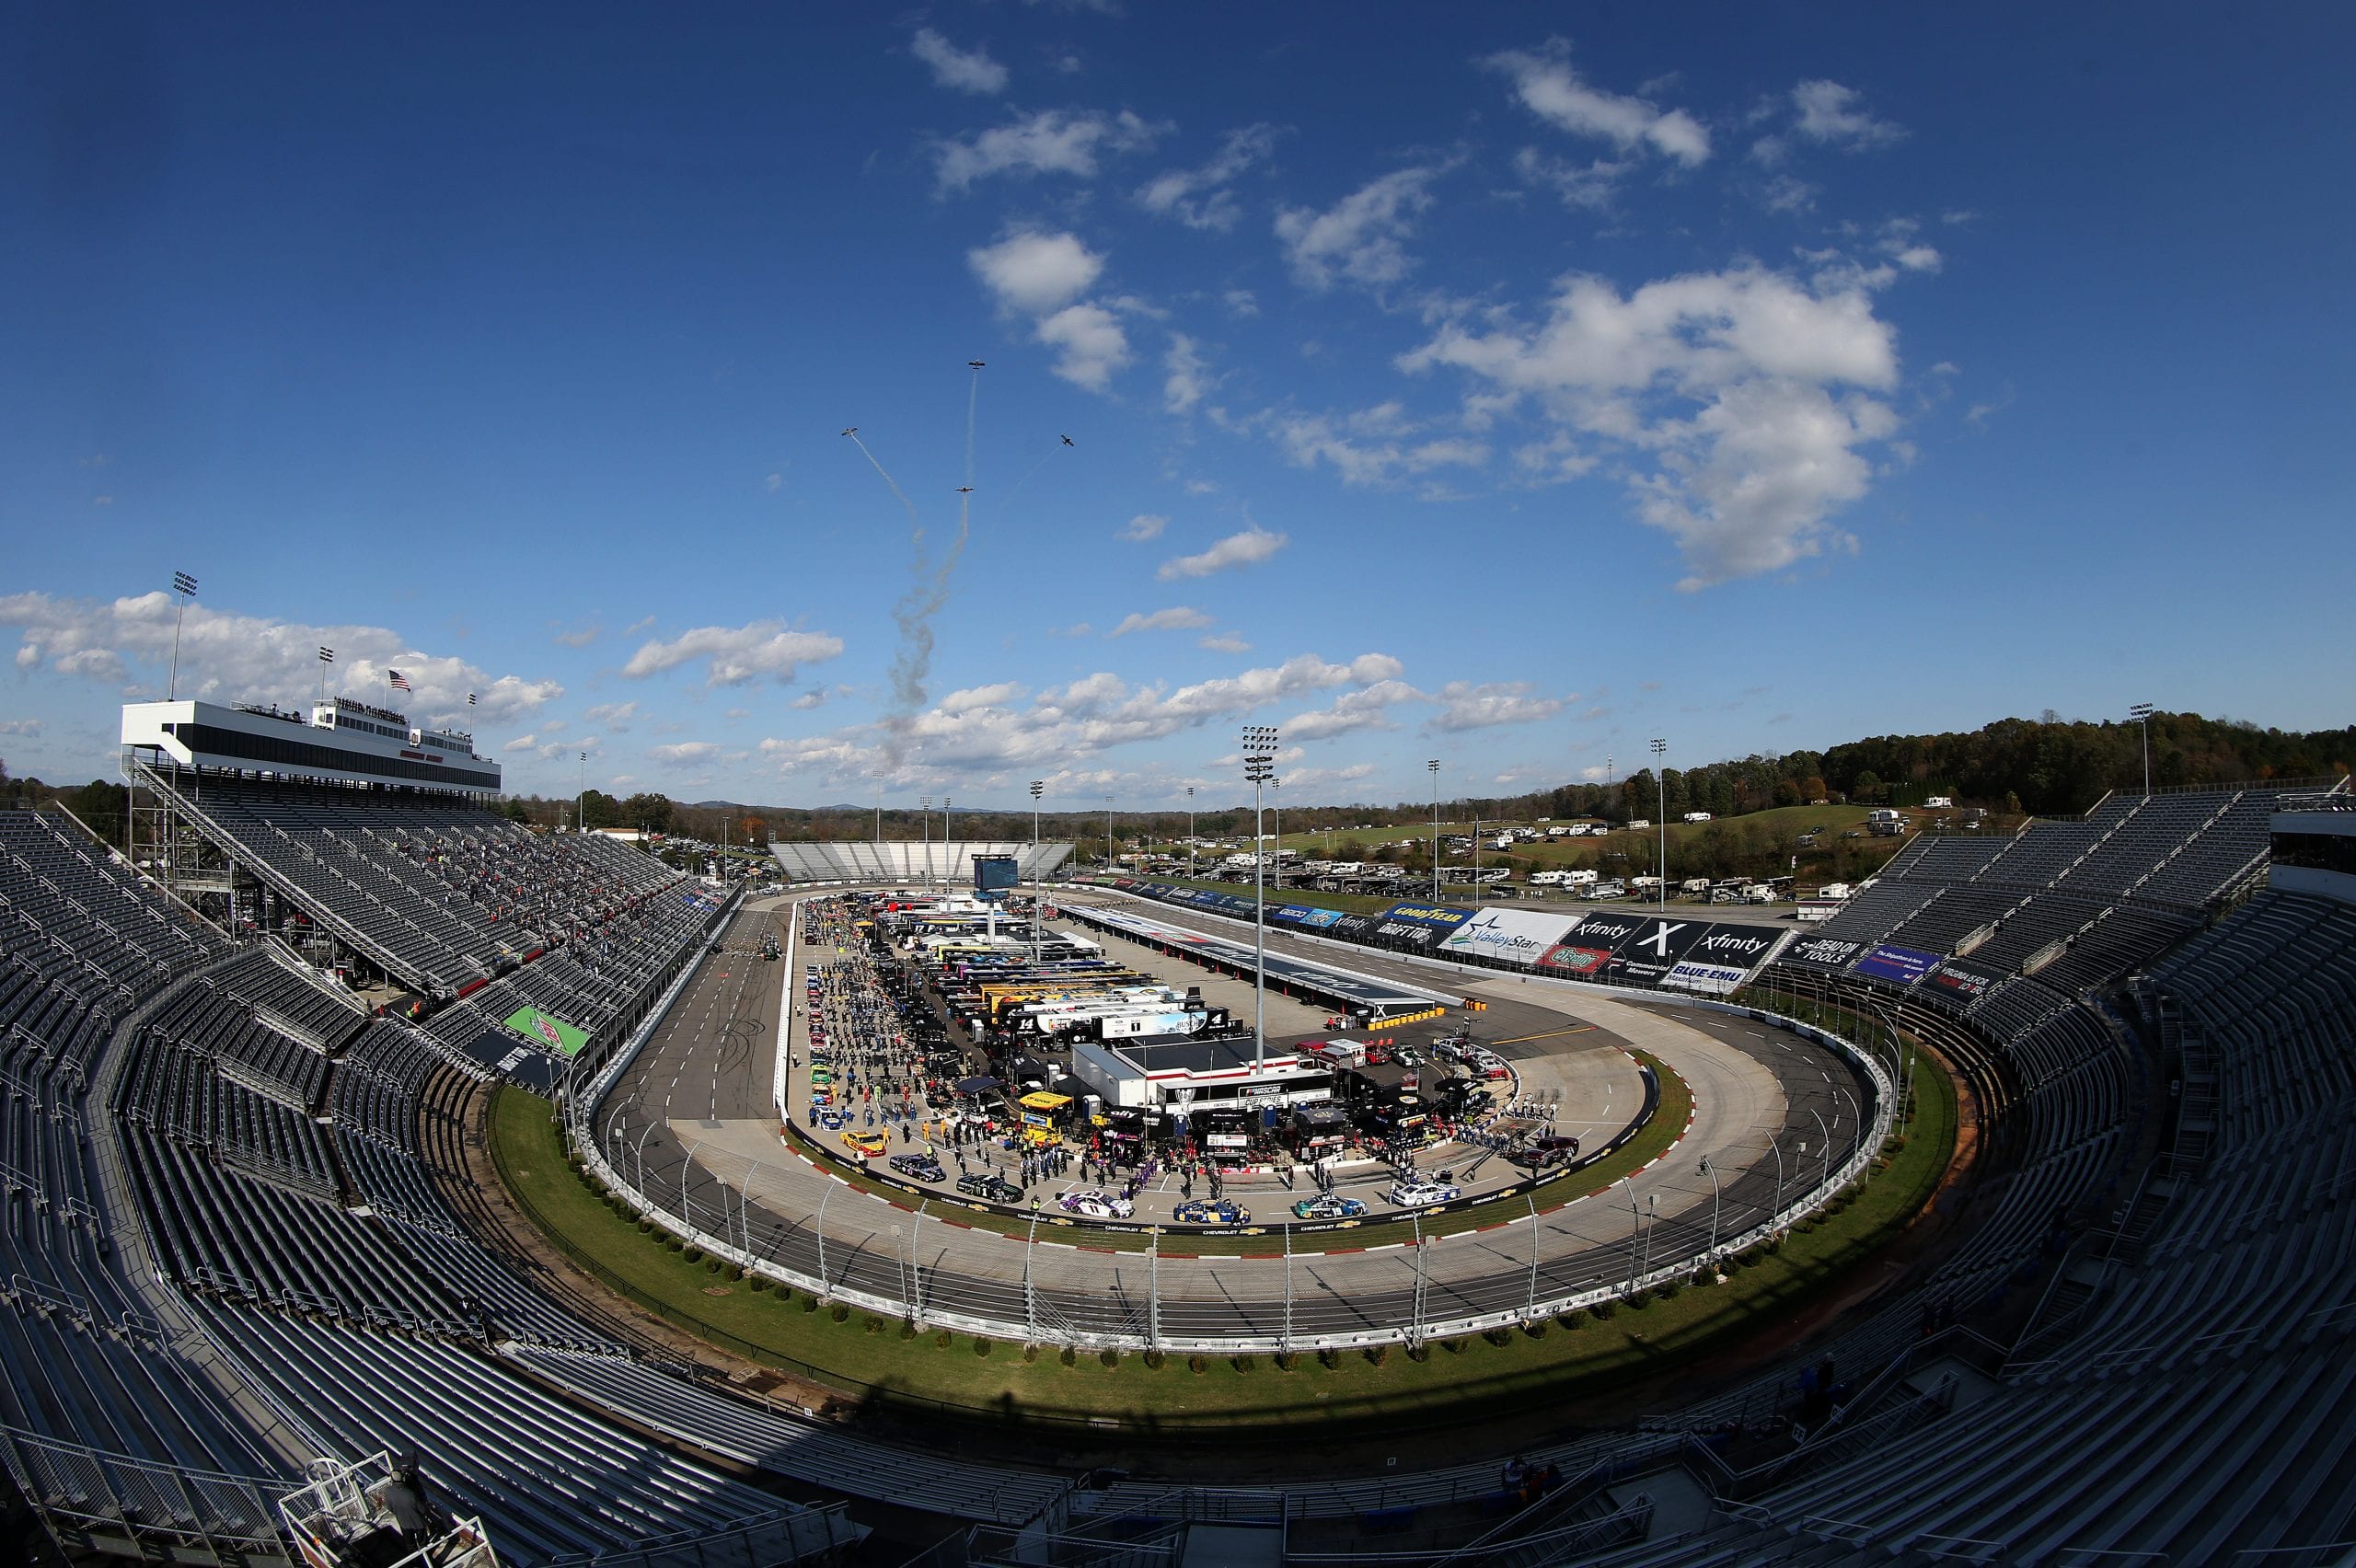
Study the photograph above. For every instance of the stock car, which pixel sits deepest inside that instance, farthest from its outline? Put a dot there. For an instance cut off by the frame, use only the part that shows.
(1226, 1210)
(1096, 1204)
(992, 1189)
(864, 1144)
(918, 1167)
(1543, 1152)
(1328, 1205)
(831, 1119)
(1418, 1194)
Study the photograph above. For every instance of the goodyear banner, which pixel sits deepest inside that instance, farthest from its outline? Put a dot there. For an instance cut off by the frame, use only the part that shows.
(1432, 916)
(1509, 936)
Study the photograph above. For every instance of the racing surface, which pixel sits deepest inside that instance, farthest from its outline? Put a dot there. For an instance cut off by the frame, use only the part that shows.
(692, 1124)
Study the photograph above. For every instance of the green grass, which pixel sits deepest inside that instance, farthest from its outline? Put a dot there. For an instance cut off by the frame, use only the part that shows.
(1459, 1380)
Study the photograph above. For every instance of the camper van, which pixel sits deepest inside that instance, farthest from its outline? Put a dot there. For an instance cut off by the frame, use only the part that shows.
(1697, 816)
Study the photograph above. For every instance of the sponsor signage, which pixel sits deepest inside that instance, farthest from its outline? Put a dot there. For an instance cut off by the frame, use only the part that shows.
(1404, 931)
(1291, 913)
(1905, 966)
(1604, 931)
(1739, 947)
(1354, 927)
(547, 1030)
(1714, 979)
(1830, 953)
(1321, 918)
(1966, 981)
(1432, 917)
(1512, 936)
(1568, 960)
(1655, 947)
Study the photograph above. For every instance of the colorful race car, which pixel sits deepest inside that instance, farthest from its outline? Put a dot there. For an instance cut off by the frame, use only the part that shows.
(864, 1144)
(996, 1189)
(1227, 1211)
(1096, 1204)
(830, 1119)
(1328, 1205)
(918, 1167)
(1416, 1194)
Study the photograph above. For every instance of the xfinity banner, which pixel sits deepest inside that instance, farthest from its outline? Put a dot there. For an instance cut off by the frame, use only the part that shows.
(1905, 966)
(1509, 936)
(1737, 947)
(1353, 927)
(1649, 956)
(1435, 917)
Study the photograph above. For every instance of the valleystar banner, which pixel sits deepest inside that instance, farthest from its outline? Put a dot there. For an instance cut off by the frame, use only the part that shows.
(1512, 936)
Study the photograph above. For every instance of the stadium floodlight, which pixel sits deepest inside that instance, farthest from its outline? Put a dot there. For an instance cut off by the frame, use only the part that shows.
(184, 589)
(1259, 765)
(1038, 891)
(580, 800)
(1277, 810)
(927, 800)
(1108, 832)
(2141, 714)
(1190, 830)
(327, 657)
(1434, 766)
(1660, 777)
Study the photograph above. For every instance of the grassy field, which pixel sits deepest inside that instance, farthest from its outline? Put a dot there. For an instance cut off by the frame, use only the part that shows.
(897, 1369)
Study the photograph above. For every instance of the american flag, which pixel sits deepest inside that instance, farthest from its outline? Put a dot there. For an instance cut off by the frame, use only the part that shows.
(400, 682)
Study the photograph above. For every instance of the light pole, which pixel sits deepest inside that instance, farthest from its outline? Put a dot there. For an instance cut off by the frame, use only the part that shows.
(1038, 888)
(1711, 1172)
(1190, 831)
(2141, 714)
(1824, 1155)
(926, 802)
(580, 800)
(1635, 1229)
(1259, 765)
(327, 657)
(1660, 777)
(1775, 1212)
(1434, 766)
(945, 862)
(1108, 832)
(184, 588)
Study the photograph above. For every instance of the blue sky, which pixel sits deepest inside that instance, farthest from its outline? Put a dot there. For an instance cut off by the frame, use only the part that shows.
(1506, 385)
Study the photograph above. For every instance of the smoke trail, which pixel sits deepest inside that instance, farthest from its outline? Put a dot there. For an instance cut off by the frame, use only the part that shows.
(926, 596)
(888, 479)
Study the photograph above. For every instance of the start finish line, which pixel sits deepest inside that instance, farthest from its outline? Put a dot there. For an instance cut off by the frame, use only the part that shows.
(1376, 998)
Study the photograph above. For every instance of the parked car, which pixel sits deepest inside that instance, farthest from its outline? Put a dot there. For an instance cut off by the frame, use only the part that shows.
(864, 1144)
(991, 1189)
(1227, 1211)
(1418, 1194)
(1096, 1204)
(1328, 1205)
(918, 1167)
(1542, 1152)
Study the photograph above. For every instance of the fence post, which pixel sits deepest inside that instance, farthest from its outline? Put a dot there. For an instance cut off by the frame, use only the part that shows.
(825, 1284)
(1030, 1300)
(1288, 1336)
(1531, 1310)
(1153, 1289)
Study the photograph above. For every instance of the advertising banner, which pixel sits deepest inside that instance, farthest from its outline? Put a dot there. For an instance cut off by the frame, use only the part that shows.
(1582, 963)
(1605, 931)
(1825, 952)
(1322, 920)
(1511, 936)
(1735, 947)
(1406, 931)
(1354, 927)
(547, 1030)
(1905, 966)
(1654, 951)
(1436, 916)
(1291, 913)
(1713, 979)
(1966, 982)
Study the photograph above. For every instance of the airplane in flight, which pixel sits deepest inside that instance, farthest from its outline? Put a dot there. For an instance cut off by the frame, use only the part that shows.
(973, 365)
(1068, 440)
(853, 430)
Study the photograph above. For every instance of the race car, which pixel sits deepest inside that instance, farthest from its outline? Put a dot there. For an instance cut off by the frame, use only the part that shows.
(1328, 1205)
(822, 1097)
(864, 1144)
(1416, 1194)
(918, 1167)
(831, 1119)
(995, 1189)
(1544, 1152)
(1096, 1204)
(1227, 1211)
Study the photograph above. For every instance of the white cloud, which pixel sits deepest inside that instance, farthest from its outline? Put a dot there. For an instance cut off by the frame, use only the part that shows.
(1049, 142)
(1372, 446)
(1090, 344)
(1359, 238)
(1225, 643)
(1199, 198)
(1241, 303)
(1550, 88)
(686, 754)
(1036, 272)
(772, 482)
(1178, 618)
(807, 701)
(1588, 187)
(1366, 708)
(736, 654)
(1827, 114)
(614, 716)
(19, 726)
(966, 71)
(1143, 527)
(1185, 383)
(1467, 705)
(227, 657)
(973, 698)
(1738, 400)
(1250, 546)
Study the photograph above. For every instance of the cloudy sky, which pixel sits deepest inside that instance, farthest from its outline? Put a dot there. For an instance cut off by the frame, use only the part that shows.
(1504, 384)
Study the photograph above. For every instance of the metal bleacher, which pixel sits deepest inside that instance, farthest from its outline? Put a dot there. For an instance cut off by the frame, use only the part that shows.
(941, 863)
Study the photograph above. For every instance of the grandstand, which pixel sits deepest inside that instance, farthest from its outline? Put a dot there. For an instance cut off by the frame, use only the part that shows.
(946, 863)
(237, 1233)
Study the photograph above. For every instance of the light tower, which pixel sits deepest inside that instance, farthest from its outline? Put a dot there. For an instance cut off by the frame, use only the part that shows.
(184, 589)
(1434, 766)
(2141, 714)
(1660, 777)
(1259, 765)
(1190, 830)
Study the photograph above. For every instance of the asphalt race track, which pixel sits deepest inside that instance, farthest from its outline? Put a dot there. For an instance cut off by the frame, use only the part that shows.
(694, 1111)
